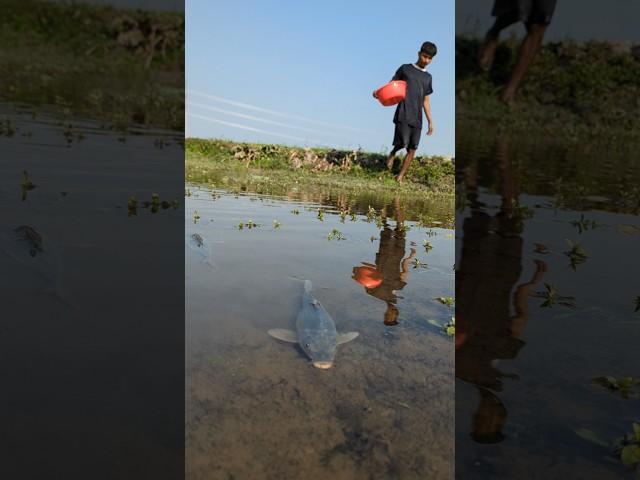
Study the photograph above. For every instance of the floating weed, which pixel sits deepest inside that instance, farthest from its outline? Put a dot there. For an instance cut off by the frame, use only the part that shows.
(576, 254)
(583, 224)
(196, 216)
(132, 206)
(249, 224)
(623, 386)
(373, 238)
(295, 211)
(343, 215)
(448, 301)
(321, 215)
(26, 185)
(401, 227)
(431, 233)
(418, 264)
(371, 214)
(353, 217)
(427, 245)
(551, 297)
(627, 448)
(448, 328)
(276, 224)
(187, 192)
(335, 234)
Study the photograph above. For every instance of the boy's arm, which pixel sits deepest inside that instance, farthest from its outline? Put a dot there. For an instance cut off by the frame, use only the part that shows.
(427, 111)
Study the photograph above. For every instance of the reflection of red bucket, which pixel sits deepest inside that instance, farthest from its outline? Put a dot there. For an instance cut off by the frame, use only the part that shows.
(368, 277)
(392, 93)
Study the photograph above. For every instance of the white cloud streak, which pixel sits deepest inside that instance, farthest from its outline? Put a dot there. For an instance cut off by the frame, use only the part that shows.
(273, 112)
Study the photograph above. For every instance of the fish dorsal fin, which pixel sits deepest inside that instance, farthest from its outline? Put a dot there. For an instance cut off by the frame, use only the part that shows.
(346, 337)
(284, 335)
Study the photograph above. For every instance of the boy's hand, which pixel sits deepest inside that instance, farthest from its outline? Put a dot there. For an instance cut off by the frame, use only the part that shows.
(374, 94)
(430, 130)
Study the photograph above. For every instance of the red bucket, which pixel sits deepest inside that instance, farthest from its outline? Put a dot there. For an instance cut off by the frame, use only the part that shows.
(392, 93)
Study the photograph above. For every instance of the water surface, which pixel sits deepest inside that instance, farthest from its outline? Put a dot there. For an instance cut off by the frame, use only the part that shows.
(256, 407)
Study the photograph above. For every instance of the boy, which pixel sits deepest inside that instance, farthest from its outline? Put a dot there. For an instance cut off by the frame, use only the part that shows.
(408, 116)
(536, 15)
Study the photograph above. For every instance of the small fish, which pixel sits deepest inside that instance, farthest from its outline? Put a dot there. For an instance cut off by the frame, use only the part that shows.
(315, 331)
(198, 243)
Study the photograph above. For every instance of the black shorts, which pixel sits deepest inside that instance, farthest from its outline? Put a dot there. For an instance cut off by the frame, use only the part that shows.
(529, 11)
(406, 136)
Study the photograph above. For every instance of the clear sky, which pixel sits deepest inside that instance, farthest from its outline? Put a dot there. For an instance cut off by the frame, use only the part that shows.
(305, 70)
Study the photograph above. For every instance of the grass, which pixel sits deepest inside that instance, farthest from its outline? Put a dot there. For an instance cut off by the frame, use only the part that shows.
(573, 91)
(276, 168)
(122, 66)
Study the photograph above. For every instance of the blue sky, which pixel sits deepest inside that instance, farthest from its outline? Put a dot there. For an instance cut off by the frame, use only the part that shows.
(305, 70)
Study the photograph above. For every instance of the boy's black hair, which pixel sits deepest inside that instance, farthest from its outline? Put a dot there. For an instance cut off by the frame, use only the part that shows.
(429, 48)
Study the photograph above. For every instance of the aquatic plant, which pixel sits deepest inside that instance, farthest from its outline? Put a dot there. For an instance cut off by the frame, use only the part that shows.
(449, 328)
(628, 448)
(335, 234)
(576, 254)
(448, 301)
(551, 297)
(276, 224)
(295, 211)
(371, 214)
(196, 216)
(583, 224)
(373, 238)
(624, 386)
(132, 206)
(321, 215)
(427, 245)
(418, 264)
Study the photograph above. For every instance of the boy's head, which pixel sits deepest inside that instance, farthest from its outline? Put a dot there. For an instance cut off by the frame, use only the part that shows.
(426, 53)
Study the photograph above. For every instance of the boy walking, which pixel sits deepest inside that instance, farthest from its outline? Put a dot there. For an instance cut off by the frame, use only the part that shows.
(408, 116)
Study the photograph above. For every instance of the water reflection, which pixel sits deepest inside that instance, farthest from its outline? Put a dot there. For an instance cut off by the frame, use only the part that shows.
(390, 272)
(489, 267)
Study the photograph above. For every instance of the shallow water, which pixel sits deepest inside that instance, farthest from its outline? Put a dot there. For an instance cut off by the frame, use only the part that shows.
(524, 391)
(256, 407)
(73, 313)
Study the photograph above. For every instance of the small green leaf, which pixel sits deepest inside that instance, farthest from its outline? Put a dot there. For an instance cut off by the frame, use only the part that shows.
(630, 454)
(590, 436)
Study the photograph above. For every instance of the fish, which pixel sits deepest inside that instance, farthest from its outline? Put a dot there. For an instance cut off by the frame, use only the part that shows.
(25, 245)
(199, 244)
(315, 331)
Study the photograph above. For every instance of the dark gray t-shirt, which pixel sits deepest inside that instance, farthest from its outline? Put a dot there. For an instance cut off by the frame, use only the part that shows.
(409, 110)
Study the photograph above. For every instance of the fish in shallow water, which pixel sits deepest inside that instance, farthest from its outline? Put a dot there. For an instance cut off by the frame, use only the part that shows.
(315, 331)
(25, 246)
(199, 244)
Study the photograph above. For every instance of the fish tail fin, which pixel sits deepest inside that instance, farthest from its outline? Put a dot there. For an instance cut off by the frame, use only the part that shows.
(307, 286)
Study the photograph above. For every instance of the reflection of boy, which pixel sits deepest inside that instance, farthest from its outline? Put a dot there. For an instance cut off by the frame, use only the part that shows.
(408, 116)
(394, 269)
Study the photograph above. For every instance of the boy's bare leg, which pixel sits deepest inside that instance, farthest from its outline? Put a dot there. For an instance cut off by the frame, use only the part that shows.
(405, 165)
(488, 49)
(528, 50)
(392, 157)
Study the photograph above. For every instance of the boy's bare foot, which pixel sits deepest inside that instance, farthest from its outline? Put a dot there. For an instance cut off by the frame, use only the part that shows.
(390, 163)
(508, 97)
(486, 54)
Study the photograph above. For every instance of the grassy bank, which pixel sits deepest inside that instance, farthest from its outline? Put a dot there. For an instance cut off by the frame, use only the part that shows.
(122, 66)
(279, 168)
(573, 91)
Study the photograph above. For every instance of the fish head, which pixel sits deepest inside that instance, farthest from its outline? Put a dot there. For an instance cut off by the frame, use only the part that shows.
(321, 350)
